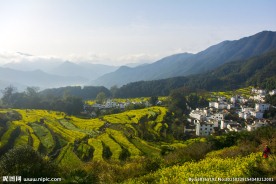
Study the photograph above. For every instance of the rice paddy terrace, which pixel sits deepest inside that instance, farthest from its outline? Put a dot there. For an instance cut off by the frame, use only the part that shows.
(73, 141)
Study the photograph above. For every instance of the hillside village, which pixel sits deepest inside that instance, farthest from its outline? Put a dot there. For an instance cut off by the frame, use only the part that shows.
(112, 104)
(223, 115)
(94, 110)
(235, 114)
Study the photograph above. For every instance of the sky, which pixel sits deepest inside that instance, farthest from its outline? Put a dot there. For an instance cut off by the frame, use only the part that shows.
(118, 32)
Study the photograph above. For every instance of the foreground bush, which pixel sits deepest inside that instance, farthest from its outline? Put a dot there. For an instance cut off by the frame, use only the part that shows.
(26, 162)
(206, 168)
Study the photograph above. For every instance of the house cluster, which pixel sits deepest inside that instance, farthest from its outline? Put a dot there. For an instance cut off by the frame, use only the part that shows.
(259, 94)
(205, 121)
(211, 120)
(257, 112)
(110, 104)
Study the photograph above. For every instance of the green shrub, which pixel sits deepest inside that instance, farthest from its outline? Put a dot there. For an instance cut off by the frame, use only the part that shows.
(153, 164)
(26, 162)
(195, 151)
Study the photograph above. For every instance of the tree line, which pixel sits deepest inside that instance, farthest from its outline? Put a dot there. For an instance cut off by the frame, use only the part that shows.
(32, 99)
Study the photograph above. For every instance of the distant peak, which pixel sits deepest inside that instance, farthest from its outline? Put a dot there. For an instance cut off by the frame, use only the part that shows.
(124, 68)
(267, 31)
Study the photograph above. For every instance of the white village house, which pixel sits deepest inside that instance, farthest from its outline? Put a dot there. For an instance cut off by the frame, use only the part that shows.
(230, 125)
(272, 92)
(256, 124)
(205, 128)
(199, 114)
(218, 105)
(261, 107)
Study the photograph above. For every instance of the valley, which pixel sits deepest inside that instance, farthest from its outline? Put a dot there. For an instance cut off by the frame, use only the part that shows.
(136, 146)
(203, 117)
(137, 92)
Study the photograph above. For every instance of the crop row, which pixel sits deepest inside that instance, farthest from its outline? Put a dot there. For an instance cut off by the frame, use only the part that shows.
(35, 142)
(68, 135)
(6, 136)
(63, 135)
(87, 124)
(123, 141)
(135, 116)
(44, 136)
(238, 167)
(68, 159)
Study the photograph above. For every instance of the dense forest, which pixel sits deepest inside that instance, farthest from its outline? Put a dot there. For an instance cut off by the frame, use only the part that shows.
(32, 99)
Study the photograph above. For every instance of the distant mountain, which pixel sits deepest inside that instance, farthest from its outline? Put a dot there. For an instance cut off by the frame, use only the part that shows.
(256, 71)
(187, 64)
(132, 65)
(37, 64)
(36, 78)
(85, 70)
(152, 71)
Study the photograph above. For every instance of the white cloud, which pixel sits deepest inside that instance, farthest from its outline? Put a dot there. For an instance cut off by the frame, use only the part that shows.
(12, 57)
(96, 58)
(17, 57)
(104, 58)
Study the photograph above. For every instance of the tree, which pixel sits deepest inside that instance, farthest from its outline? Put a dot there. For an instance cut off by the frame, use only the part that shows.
(114, 90)
(271, 99)
(73, 105)
(7, 95)
(32, 98)
(153, 100)
(100, 97)
(196, 101)
(177, 103)
(26, 162)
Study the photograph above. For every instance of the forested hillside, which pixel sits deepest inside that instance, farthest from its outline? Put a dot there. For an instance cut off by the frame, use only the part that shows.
(187, 64)
(256, 71)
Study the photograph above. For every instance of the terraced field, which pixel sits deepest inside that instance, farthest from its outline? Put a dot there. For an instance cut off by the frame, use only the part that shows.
(245, 92)
(72, 141)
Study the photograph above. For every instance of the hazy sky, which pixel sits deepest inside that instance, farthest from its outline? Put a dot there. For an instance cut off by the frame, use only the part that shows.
(125, 31)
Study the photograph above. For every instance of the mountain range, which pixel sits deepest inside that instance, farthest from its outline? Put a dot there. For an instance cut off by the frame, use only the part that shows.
(50, 74)
(36, 78)
(57, 73)
(256, 71)
(186, 64)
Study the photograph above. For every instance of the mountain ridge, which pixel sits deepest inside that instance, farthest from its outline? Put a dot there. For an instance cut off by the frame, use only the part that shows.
(36, 78)
(187, 64)
(48, 74)
(256, 71)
